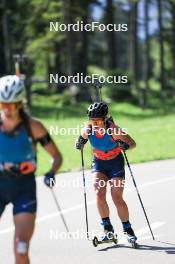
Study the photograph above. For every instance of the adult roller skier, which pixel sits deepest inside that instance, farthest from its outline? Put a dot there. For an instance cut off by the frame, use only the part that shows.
(108, 140)
(19, 136)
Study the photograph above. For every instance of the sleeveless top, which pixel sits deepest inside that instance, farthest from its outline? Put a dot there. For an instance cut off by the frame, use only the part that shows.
(16, 147)
(103, 145)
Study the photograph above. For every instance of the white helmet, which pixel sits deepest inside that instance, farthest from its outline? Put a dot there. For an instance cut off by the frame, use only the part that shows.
(11, 89)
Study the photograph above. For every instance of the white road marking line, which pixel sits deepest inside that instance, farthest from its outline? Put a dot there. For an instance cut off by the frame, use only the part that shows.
(149, 237)
(7, 230)
(50, 216)
(64, 211)
(143, 231)
(151, 183)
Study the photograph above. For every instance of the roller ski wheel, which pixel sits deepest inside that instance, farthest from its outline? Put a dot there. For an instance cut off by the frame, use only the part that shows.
(115, 240)
(95, 241)
(134, 244)
(105, 239)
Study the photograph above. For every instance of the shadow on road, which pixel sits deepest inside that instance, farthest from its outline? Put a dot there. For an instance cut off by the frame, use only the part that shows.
(167, 250)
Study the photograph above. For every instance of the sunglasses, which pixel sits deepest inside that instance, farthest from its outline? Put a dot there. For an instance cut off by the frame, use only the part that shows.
(9, 106)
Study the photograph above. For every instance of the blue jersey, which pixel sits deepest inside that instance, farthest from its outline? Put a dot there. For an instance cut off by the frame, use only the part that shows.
(104, 146)
(102, 142)
(16, 147)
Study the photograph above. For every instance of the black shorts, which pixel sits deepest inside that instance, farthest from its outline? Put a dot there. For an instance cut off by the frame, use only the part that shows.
(111, 168)
(20, 191)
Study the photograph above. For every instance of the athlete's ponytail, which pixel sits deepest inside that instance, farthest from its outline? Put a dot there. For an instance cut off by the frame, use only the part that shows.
(26, 121)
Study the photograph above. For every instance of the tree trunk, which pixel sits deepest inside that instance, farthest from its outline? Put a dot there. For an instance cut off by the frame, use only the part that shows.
(70, 49)
(58, 69)
(147, 54)
(2, 60)
(83, 56)
(162, 65)
(6, 38)
(173, 33)
(134, 44)
(111, 37)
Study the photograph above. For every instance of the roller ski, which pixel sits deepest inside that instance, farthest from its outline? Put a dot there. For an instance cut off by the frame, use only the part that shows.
(131, 237)
(108, 237)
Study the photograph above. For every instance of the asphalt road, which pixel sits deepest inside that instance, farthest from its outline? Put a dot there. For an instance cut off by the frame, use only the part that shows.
(50, 243)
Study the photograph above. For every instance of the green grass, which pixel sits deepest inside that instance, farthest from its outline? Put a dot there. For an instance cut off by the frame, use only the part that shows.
(152, 129)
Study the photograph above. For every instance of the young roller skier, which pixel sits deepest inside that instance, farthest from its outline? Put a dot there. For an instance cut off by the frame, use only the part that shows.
(107, 141)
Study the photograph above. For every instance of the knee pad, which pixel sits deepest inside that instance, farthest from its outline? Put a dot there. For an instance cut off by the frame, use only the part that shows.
(21, 247)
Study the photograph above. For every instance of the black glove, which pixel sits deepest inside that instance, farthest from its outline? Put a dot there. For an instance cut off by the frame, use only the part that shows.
(80, 142)
(12, 172)
(124, 146)
(49, 179)
(78, 145)
(110, 118)
(15, 170)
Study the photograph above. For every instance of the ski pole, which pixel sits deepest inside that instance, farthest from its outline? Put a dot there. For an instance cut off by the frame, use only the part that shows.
(129, 167)
(59, 210)
(85, 198)
(98, 86)
(17, 59)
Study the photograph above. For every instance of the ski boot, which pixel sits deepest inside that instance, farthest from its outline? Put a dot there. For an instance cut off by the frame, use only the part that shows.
(108, 236)
(131, 237)
(108, 230)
